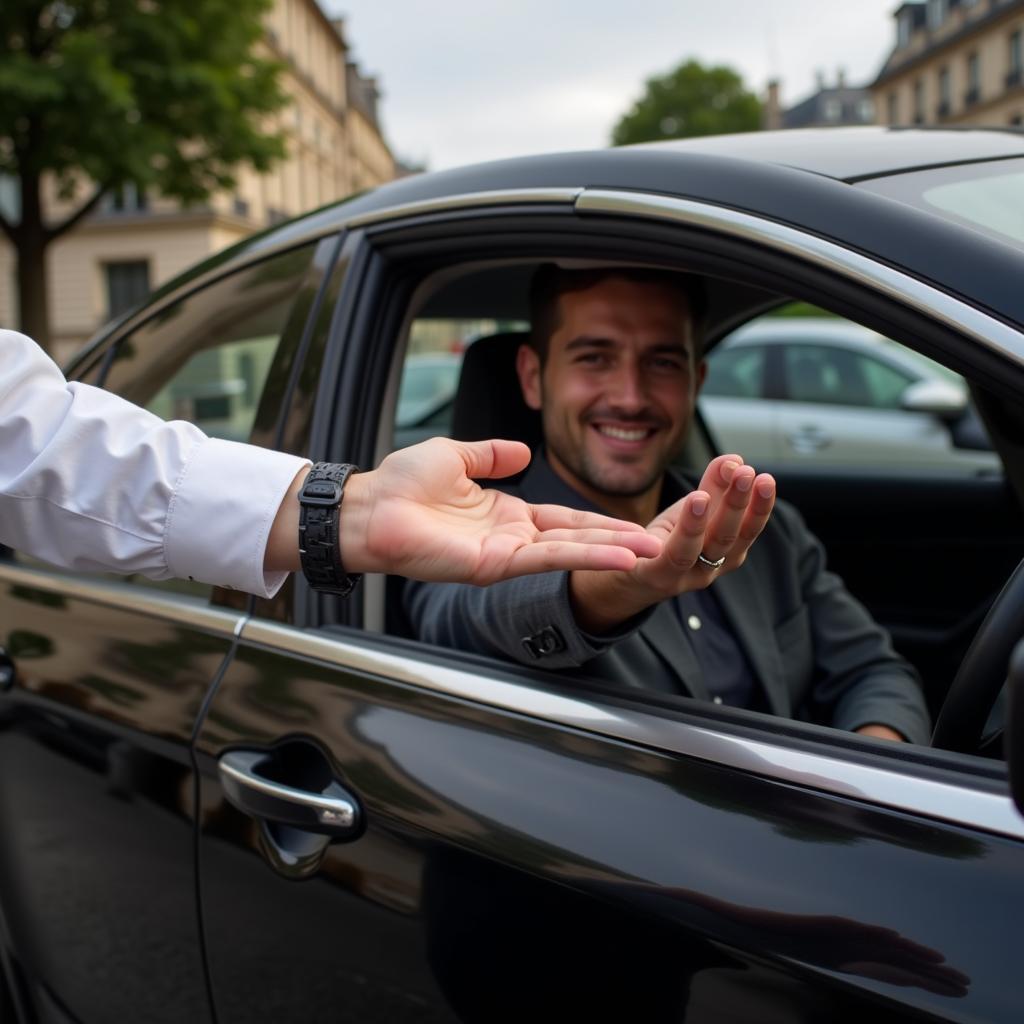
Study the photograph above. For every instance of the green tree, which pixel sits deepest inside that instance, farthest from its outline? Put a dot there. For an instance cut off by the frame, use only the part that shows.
(691, 100)
(95, 94)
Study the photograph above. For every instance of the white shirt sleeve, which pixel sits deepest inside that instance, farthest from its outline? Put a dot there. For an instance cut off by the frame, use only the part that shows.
(91, 482)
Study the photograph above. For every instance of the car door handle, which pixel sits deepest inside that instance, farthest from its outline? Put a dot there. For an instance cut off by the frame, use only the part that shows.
(333, 811)
(808, 439)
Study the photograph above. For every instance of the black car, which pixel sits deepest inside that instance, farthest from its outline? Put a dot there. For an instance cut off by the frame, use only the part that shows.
(218, 808)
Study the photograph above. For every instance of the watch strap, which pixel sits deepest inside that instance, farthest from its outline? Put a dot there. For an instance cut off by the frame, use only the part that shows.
(319, 532)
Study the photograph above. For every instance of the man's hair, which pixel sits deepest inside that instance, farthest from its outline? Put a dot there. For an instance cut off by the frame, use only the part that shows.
(550, 282)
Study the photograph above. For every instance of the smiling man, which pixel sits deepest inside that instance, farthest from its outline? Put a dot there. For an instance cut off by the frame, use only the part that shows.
(614, 370)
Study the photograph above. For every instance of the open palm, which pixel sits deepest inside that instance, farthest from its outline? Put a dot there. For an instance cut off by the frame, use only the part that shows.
(431, 521)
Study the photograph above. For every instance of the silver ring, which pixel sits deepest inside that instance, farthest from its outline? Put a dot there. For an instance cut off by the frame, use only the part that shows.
(716, 564)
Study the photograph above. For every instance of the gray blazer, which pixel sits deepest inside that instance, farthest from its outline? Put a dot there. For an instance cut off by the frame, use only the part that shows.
(816, 652)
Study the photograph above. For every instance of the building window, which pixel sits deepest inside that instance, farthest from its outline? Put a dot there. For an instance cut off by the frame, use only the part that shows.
(866, 110)
(973, 79)
(936, 13)
(1017, 120)
(126, 198)
(919, 102)
(240, 206)
(833, 109)
(893, 104)
(903, 27)
(1014, 69)
(127, 285)
(945, 93)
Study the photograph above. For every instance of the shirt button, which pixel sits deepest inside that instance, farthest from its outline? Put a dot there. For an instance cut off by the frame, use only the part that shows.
(717, 700)
(693, 622)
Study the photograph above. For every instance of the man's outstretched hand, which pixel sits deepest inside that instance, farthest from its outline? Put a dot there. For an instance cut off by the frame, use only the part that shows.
(723, 517)
(421, 515)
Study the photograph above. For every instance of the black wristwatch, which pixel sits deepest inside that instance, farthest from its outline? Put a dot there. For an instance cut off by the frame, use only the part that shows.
(319, 512)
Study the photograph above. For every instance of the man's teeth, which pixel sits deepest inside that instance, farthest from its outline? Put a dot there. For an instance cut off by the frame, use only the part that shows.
(623, 435)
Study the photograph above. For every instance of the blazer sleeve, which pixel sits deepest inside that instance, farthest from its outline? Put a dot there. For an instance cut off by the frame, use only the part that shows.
(857, 677)
(528, 620)
(91, 482)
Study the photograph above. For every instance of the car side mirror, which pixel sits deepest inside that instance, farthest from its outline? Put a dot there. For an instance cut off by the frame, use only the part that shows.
(936, 397)
(1013, 738)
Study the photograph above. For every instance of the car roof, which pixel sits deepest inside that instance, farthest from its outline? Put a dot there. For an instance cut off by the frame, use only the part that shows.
(798, 177)
(850, 154)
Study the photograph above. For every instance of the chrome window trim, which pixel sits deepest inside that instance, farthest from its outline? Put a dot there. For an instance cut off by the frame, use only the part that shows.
(962, 805)
(987, 331)
(466, 200)
(181, 610)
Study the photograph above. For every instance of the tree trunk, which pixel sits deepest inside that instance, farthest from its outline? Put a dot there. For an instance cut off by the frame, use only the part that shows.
(31, 241)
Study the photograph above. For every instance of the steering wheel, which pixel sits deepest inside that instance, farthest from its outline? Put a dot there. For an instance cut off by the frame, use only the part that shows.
(982, 673)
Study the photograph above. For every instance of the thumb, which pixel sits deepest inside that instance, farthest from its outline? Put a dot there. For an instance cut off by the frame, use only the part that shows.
(493, 459)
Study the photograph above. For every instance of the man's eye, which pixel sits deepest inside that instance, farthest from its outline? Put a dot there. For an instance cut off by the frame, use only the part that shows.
(592, 358)
(674, 365)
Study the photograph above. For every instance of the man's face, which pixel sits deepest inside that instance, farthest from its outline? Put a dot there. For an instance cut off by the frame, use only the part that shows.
(618, 386)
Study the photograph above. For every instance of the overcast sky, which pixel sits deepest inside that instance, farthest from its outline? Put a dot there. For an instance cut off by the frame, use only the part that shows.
(469, 80)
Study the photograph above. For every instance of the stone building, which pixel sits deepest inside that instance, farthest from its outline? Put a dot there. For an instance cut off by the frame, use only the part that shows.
(136, 241)
(954, 62)
(827, 106)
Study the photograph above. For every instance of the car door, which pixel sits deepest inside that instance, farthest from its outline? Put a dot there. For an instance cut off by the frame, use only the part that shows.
(104, 679)
(738, 403)
(394, 831)
(843, 408)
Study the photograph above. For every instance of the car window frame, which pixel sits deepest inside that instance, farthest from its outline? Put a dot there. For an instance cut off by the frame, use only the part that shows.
(384, 303)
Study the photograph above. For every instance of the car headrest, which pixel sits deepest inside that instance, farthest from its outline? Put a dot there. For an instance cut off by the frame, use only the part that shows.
(488, 402)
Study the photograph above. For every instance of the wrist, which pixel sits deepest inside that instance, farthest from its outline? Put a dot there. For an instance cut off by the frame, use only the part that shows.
(602, 600)
(354, 524)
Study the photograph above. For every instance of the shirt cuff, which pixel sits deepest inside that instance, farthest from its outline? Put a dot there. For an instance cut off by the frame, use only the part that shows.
(220, 515)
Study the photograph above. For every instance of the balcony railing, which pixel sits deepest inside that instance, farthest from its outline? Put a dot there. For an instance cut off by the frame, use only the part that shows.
(1013, 77)
(943, 109)
(972, 96)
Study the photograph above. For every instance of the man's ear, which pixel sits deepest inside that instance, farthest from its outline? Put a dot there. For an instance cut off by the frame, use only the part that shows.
(528, 368)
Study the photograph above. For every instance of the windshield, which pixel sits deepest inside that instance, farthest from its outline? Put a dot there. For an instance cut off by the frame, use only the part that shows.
(988, 197)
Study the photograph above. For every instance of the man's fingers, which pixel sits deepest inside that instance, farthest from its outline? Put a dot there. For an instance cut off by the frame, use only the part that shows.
(548, 556)
(491, 459)
(758, 513)
(724, 527)
(718, 476)
(686, 541)
(556, 517)
(640, 542)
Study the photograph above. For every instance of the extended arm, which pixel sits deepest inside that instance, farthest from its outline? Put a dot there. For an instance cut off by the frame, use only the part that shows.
(89, 481)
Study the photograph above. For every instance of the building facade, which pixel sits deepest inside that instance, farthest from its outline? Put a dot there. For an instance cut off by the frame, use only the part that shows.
(827, 106)
(136, 241)
(954, 62)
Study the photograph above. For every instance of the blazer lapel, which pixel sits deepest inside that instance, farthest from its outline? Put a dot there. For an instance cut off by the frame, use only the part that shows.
(745, 611)
(665, 634)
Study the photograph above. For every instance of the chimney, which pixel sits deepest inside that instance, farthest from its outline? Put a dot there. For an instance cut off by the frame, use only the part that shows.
(841, 78)
(819, 80)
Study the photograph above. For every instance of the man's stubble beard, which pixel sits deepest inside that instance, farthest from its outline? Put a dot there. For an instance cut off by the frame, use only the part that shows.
(597, 476)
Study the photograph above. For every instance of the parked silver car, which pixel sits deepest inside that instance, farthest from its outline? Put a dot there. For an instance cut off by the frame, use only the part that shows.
(823, 391)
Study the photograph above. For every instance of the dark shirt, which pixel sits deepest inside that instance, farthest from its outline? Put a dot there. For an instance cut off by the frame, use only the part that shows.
(727, 672)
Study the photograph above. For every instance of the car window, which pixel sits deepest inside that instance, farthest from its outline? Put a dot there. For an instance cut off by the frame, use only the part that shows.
(207, 358)
(430, 373)
(839, 376)
(832, 393)
(736, 372)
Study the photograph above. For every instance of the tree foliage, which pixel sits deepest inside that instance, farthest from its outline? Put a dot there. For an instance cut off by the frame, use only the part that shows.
(167, 94)
(689, 101)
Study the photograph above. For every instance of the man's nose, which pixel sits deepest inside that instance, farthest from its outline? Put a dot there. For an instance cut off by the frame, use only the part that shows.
(628, 392)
